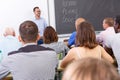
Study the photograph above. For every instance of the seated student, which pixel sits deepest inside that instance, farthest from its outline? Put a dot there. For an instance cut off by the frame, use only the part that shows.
(71, 41)
(90, 69)
(113, 41)
(30, 62)
(109, 30)
(86, 46)
(50, 40)
(9, 42)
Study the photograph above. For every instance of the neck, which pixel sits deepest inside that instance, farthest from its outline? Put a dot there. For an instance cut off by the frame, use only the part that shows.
(37, 17)
(24, 43)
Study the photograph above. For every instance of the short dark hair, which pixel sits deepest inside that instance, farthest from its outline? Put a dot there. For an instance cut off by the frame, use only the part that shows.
(35, 8)
(117, 24)
(85, 36)
(117, 19)
(28, 31)
(50, 35)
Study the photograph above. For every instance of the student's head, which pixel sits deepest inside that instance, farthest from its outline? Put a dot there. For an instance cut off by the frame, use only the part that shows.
(50, 35)
(108, 22)
(86, 36)
(9, 31)
(117, 24)
(37, 11)
(90, 69)
(78, 21)
(28, 32)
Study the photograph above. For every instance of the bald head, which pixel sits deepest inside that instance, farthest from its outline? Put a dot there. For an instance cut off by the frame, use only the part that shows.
(9, 31)
(79, 21)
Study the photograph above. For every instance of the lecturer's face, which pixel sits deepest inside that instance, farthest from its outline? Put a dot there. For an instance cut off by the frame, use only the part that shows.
(37, 12)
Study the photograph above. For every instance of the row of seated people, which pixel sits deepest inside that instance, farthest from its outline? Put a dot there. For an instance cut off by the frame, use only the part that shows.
(50, 40)
(108, 25)
(86, 47)
(31, 61)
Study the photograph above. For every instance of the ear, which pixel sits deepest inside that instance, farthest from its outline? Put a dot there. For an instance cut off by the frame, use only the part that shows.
(19, 38)
(13, 33)
(38, 37)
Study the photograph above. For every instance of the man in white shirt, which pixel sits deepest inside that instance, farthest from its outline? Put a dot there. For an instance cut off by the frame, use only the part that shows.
(109, 29)
(9, 42)
(113, 41)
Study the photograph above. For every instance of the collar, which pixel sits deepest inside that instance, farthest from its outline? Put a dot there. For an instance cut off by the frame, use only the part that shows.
(27, 44)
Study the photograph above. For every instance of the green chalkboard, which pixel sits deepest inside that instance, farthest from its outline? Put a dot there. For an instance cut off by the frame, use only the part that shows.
(67, 11)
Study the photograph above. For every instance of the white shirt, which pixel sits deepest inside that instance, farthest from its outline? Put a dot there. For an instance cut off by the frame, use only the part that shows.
(8, 44)
(101, 38)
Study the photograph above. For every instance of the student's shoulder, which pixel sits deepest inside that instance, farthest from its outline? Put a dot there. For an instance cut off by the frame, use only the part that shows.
(73, 50)
(13, 52)
(74, 32)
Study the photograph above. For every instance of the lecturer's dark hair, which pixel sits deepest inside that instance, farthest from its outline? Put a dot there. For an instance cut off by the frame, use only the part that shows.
(35, 8)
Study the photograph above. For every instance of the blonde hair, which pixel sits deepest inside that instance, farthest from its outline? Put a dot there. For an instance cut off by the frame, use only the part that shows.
(90, 69)
(79, 21)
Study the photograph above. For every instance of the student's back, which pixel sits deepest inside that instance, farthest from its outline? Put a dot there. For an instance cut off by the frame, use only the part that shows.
(59, 47)
(82, 52)
(32, 63)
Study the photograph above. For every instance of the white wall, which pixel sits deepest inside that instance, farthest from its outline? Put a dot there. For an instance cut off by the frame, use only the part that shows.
(13, 12)
(51, 10)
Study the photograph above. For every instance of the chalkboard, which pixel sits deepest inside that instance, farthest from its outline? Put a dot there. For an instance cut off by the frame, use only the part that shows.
(67, 11)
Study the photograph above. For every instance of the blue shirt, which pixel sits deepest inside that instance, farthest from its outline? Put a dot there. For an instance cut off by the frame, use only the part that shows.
(71, 40)
(8, 44)
(41, 23)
